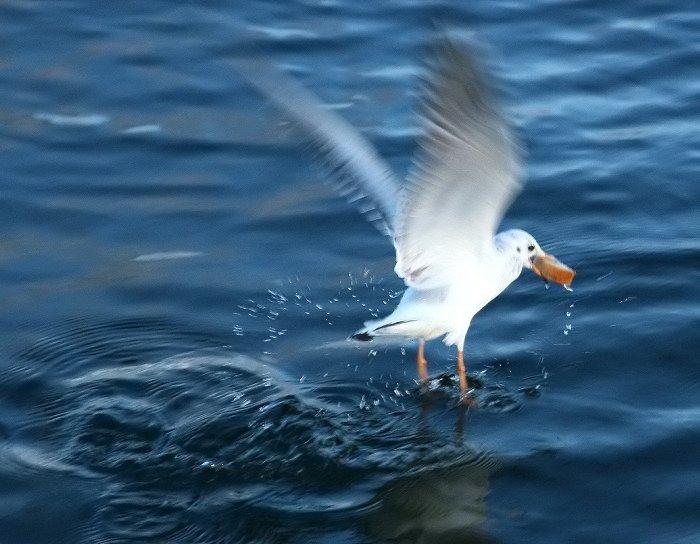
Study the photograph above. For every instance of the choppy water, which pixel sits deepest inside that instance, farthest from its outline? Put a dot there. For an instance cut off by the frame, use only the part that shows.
(177, 283)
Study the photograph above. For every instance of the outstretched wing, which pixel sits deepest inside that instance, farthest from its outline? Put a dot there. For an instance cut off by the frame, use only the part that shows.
(358, 171)
(463, 179)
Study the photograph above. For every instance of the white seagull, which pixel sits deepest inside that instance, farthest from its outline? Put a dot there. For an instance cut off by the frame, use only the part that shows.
(443, 219)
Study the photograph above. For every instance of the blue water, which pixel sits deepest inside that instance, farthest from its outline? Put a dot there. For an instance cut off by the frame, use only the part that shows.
(177, 283)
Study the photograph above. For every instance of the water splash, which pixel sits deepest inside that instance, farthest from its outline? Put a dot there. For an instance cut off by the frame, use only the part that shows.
(294, 307)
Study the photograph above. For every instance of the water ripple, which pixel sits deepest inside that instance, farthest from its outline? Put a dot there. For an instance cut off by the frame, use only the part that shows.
(208, 427)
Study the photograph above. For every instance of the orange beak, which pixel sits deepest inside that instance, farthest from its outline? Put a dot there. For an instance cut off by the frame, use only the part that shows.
(549, 268)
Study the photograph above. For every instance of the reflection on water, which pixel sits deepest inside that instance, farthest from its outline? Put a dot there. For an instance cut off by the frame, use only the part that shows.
(445, 504)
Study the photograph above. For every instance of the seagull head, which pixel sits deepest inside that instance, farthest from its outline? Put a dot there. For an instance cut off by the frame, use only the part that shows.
(534, 258)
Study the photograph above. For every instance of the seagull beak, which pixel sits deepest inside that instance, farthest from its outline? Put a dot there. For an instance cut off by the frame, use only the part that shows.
(549, 268)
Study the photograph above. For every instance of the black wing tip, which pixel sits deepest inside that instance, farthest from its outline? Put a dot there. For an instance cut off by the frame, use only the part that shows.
(362, 337)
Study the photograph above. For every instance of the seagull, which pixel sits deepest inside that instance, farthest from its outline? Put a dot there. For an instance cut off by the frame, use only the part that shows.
(443, 219)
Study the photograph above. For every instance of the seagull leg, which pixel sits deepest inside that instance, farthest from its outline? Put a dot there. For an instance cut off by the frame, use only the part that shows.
(461, 371)
(422, 364)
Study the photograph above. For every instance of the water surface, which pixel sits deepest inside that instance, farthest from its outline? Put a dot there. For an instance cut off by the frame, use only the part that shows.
(178, 283)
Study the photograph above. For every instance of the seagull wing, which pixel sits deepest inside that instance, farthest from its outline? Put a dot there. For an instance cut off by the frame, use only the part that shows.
(359, 172)
(463, 178)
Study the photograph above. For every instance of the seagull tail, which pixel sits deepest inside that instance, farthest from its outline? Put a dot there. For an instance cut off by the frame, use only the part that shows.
(381, 328)
(362, 336)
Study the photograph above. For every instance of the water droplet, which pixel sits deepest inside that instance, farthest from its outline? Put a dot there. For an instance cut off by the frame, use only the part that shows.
(279, 298)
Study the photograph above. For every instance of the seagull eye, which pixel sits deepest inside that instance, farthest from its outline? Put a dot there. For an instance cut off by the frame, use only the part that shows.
(531, 248)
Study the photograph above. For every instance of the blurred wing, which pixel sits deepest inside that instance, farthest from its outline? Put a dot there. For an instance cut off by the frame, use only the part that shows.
(463, 179)
(359, 172)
